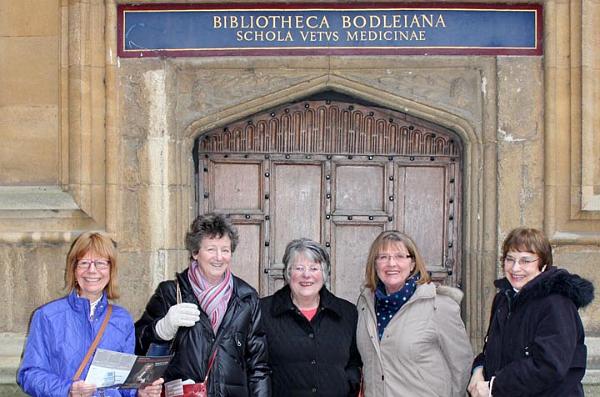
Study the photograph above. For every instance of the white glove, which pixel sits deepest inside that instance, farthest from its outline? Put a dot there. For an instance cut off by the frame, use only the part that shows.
(181, 315)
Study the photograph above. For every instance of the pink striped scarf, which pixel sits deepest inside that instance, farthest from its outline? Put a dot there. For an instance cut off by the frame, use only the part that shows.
(213, 299)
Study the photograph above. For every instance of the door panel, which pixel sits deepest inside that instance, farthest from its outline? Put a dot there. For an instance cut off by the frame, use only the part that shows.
(296, 204)
(424, 212)
(236, 186)
(359, 188)
(246, 259)
(296, 209)
(349, 257)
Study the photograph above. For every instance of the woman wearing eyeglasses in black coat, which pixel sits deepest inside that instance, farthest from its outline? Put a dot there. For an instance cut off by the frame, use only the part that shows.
(310, 332)
(535, 341)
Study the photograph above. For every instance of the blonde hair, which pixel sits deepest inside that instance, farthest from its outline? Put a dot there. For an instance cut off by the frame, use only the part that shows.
(100, 244)
(384, 240)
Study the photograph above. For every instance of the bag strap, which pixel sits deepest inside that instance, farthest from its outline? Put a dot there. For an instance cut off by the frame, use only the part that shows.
(94, 344)
(211, 361)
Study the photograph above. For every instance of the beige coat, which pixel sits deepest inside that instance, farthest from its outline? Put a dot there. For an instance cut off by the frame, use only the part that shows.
(424, 351)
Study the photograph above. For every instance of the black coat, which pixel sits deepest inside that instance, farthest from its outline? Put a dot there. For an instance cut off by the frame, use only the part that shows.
(316, 358)
(535, 343)
(241, 364)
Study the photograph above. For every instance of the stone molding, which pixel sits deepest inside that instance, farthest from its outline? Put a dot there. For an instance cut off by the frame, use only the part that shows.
(590, 117)
(572, 69)
(78, 202)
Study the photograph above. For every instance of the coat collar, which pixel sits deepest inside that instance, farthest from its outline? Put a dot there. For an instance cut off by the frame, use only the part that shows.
(423, 291)
(553, 281)
(282, 302)
(82, 305)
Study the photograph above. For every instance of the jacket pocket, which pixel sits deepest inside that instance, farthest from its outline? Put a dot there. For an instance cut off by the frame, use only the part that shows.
(239, 339)
(234, 345)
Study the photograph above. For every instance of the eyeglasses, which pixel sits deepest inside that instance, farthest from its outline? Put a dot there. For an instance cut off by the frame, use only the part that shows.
(100, 264)
(523, 262)
(385, 258)
(312, 269)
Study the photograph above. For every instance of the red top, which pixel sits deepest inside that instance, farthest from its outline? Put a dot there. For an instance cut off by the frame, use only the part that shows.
(309, 313)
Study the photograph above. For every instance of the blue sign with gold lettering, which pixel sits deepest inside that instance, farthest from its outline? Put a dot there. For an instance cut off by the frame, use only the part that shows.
(301, 29)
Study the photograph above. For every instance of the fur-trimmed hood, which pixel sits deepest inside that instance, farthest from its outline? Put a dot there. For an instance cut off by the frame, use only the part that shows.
(554, 281)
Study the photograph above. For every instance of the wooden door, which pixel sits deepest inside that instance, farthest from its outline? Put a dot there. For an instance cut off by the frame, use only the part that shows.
(339, 173)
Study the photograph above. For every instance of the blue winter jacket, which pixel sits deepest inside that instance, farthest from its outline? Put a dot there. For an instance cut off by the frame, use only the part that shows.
(60, 334)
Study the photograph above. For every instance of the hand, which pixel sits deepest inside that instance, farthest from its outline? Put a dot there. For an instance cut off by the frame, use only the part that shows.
(475, 378)
(82, 389)
(151, 390)
(181, 315)
(481, 389)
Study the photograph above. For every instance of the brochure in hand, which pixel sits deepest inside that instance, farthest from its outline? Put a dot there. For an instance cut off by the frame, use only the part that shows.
(125, 371)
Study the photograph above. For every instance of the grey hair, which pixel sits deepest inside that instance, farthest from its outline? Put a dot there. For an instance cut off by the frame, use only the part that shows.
(309, 249)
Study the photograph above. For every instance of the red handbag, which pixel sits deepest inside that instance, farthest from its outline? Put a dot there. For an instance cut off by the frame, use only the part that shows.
(200, 389)
(197, 389)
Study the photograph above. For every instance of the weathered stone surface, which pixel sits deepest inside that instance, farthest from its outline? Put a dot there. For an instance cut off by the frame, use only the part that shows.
(29, 137)
(457, 90)
(520, 143)
(200, 92)
(32, 274)
(583, 261)
(31, 76)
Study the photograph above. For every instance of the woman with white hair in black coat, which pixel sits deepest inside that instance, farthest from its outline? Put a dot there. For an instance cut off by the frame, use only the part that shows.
(310, 332)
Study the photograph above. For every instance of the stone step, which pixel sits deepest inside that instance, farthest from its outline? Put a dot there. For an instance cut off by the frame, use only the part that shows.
(591, 383)
(593, 348)
(8, 369)
(11, 346)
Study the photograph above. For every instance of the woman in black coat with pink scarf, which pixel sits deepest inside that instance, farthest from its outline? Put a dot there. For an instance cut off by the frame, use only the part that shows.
(535, 341)
(217, 312)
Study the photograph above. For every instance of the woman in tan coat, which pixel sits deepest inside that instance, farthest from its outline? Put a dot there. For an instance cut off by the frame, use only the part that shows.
(410, 335)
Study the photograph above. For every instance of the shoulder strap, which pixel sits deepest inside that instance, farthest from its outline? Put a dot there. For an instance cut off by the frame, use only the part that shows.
(215, 347)
(211, 361)
(94, 344)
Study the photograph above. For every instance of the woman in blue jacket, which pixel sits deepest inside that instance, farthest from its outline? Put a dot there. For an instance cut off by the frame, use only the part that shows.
(61, 331)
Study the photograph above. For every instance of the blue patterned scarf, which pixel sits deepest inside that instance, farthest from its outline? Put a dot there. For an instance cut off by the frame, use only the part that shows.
(386, 306)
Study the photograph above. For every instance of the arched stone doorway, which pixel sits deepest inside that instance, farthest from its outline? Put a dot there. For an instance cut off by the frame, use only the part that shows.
(338, 170)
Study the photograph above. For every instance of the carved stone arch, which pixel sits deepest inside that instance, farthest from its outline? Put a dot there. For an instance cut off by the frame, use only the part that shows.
(478, 170)
(356, 168)
(294, 93)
